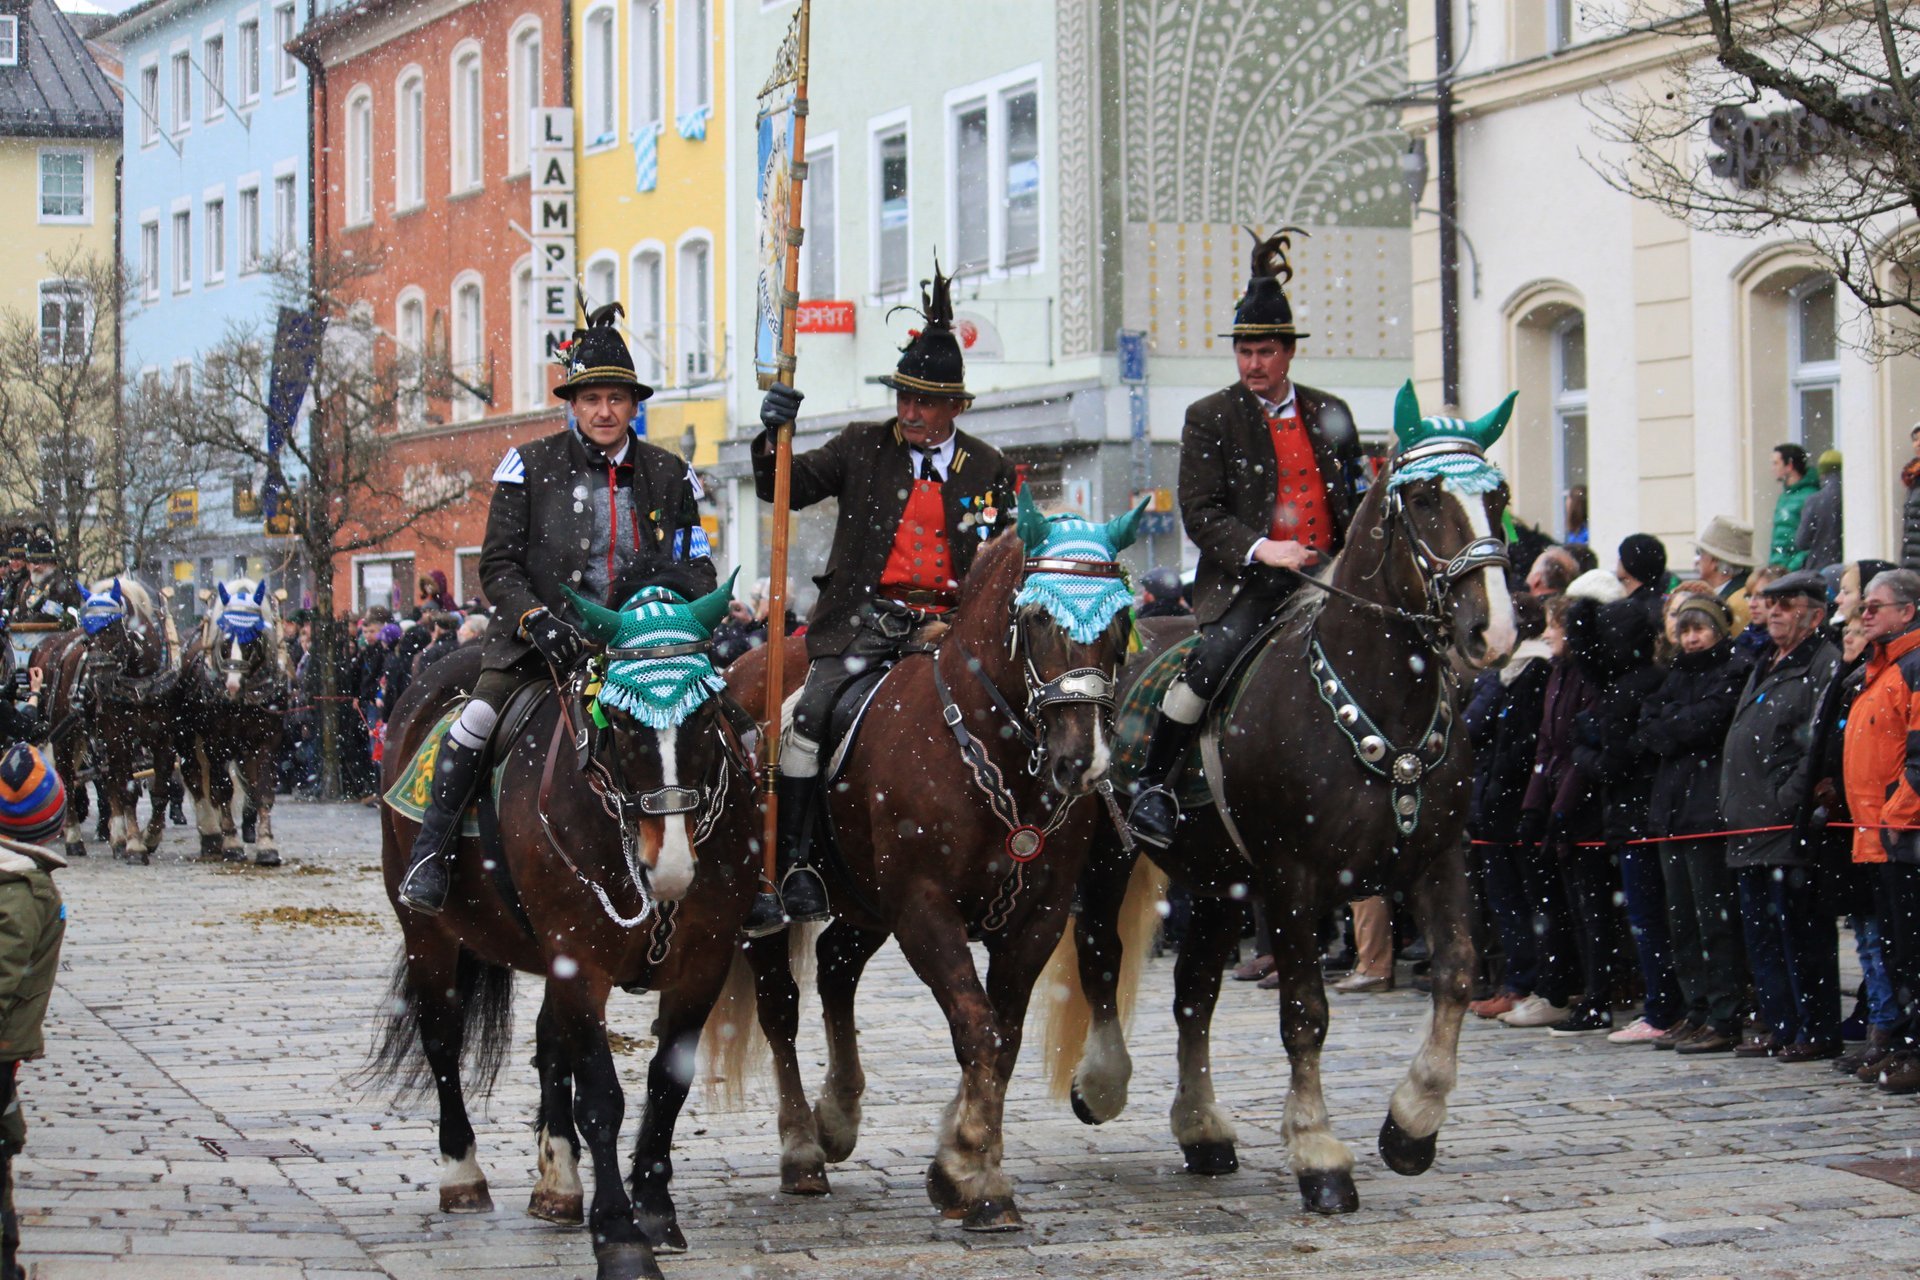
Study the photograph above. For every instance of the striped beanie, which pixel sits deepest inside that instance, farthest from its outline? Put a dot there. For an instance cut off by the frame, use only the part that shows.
(33, 801)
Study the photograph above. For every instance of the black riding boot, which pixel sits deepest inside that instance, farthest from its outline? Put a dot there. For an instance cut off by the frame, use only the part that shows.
(10, 1268)
(456, 772)
(802, 895)
(1155, 812)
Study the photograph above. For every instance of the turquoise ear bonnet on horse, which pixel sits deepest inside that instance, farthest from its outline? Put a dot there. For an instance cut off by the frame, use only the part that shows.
(1084, 607)
(658, 692)
(1464, 471)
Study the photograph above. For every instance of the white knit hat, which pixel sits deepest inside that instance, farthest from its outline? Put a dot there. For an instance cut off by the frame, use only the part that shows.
(1596, 584)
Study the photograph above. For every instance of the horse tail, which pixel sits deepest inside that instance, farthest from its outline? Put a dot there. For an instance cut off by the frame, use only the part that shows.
(398, 1066)
(734, 1052)
(1069, 1014)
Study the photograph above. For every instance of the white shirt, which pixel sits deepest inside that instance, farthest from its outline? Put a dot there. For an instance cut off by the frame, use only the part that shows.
(942, 455)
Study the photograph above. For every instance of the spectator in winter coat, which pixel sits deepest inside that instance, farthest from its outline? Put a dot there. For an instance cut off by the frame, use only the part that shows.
(445, 628)
(1767, 775)
(1642, 570)
(1160, 595)
(1614, 646)
(1683, 728)
(397, 674)
(1503, 721)
(1910, 509)
(1754, 639)
(1819, 534)
(1796, 486)
(1723, 558)
(1552, 572)
(1883, 793)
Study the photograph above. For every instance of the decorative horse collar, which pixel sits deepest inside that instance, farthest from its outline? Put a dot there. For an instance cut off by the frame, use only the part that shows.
(1404, 767)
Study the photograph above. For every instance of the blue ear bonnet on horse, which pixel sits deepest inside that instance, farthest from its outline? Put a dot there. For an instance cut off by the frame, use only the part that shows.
(242, 618)
(1084, 607)
(658, 692)
(103, 609)
(1464, 470)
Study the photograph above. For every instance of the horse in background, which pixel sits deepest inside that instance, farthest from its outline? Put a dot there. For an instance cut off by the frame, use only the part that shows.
(232, 710)
(112, 686)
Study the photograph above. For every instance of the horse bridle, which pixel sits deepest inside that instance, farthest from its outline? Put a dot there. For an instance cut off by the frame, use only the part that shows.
(1081, 686)
(707, 800)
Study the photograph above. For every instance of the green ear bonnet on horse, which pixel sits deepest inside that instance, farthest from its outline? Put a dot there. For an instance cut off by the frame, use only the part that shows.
(658, 692)
(1421, 450)
(1082, 606)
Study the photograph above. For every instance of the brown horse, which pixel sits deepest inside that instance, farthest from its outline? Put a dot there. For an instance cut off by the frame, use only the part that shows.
(231, 713)
(111, 689)
(1337, 773)
(630, 866)
(930, 856)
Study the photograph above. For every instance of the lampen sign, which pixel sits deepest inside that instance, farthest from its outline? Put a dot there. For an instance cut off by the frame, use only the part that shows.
(553, 225)
(1753, 149)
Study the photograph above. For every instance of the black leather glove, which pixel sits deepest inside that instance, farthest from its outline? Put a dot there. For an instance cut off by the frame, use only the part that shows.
(781, 406)
(559, 643)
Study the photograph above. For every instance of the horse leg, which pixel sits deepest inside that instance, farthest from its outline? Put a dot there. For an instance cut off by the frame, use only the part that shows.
(684, 1009)
(803, 1165)
(557, 1195)
(1411, 1130)
(620, 1248)
(157, 810)
(1203, 1130)
(433, 984)
(69, 759)
(199, 776)
(123, 801)
(1100, 1081)
(841, 956)
(1321, 1161)
(260, 792)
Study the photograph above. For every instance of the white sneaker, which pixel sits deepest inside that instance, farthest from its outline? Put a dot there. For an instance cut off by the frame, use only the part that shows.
(1639, 1031)
(1534, 1011)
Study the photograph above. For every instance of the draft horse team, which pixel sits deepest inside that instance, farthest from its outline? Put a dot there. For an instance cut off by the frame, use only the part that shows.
(981, 747)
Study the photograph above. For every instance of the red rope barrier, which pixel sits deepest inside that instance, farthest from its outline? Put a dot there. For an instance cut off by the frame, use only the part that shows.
(1716, 835)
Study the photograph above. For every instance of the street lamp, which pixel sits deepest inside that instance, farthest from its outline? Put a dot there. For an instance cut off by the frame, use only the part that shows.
(1413, 176)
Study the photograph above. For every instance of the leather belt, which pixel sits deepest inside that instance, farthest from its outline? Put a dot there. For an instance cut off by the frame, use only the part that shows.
(923, 599)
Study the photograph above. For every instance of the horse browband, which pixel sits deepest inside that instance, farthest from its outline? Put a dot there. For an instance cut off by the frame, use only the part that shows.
(643, 653)
(1077, 568)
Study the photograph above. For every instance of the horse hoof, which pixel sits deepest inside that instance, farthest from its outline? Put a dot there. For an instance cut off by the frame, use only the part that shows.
(75, 849)
(625, 1262)
(804, 1182)
(119, 851)
(247, 833)
(662, 1231)
(945, 1195)
(1404, 1153)
(1082, 1110)
(991, 1215)
(1209, 1159)
(555, 1207)
(267, 858)
(1329, 1193)
(235, 854)
(472, 1198)
(210, 848)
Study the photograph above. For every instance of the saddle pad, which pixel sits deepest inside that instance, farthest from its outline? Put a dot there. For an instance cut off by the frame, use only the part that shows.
(412, 791)
(849, 710)
(1133, 723)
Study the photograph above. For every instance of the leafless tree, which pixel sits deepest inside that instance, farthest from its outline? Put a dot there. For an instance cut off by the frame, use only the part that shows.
(1795, 116)
(155, 465)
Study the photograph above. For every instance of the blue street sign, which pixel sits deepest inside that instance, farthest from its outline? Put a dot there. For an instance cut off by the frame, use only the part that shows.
(1133, 355)
(1137, 412)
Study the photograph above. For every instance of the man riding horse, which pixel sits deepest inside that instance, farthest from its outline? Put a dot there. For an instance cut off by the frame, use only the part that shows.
(917, 498)
(47, 594)
(1269, 478)
(579, 508)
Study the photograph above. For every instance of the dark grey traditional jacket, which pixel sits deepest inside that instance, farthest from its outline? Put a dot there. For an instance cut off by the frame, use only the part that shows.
(1768, 765)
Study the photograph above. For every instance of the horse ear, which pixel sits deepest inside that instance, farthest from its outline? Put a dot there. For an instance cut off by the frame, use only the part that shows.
(1406, 415)
(710, 610)
(225, 599)
(1124, 528)
(1032, 522)
(1488, 429)
(260, 592)
(118, 597)
(600, 623)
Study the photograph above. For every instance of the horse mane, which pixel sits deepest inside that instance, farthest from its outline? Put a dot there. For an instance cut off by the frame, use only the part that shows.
(995, 575)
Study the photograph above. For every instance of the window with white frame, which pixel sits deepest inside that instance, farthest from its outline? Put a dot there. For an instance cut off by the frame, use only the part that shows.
(995, 184)
(214, 215)
(972, 190)
(247, 227)
(65, 312)
(695, 305)
(469, 321)
(149, 105)
(529, 387)
(647, 307)
(523, 92)
(410, 332)
(410, 140)
(1570, 416)
(1560, 25)
(65, 186)
(182, 86)
(182, 250)
(360, 157)
(9, 40)
(819, 258)
(602, 284)
(643, 65)
(597, 79)
(1813, 365)
(1020, 175)
(891, 213)
(286, 216)
(286, 67)
(213, 69)
(692, 78)
(150, 259)
(248, 53)
(469, 121)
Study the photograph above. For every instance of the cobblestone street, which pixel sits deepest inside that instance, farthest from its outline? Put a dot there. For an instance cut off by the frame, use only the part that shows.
(207, 1016)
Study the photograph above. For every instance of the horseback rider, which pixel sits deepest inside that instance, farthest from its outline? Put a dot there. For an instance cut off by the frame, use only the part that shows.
(48, 594)
(580, 508)
(1269, 479)
(917, 499)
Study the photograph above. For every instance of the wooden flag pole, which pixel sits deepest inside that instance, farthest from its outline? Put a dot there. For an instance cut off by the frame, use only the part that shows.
(783, 478)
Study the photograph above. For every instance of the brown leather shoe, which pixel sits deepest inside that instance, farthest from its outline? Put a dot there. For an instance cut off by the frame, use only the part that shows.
(1809, 1051)
(1900, 1073)
(1761, 1046)
(1254, 969)
(1710, 1040)
(1685, 1029)
(1879, 1044)
(1869, 1069)
(1356, 982)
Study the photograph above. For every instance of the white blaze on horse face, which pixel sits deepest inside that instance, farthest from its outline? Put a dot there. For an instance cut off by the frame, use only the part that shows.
(1500, 633)
(672, 862)
(234, 662)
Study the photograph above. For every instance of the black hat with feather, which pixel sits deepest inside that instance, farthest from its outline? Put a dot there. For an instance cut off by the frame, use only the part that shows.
(597, 356)
(931, 364)
(1265, 312)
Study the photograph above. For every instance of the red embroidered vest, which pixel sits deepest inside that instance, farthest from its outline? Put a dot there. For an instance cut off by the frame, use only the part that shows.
(921, 560)
(1300, 511)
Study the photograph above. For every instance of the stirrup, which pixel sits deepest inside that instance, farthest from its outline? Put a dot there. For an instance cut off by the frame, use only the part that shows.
(767, 916)
(425, 902)
(1158, 839)
(810, 890)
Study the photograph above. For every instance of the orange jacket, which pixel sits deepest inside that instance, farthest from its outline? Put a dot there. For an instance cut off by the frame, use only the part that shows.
(1882, 761)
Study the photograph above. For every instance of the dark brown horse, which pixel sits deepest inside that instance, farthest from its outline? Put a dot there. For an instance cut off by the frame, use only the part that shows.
(111, 689)
(631, 869)
(1342, 775)
(930, 857)
(231, 713)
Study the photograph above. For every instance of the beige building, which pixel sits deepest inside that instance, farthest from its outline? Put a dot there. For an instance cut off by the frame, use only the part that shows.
(1657, 365)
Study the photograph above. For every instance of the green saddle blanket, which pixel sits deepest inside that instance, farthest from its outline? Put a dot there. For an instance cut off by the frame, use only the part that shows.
(1133, 725)
(412, 791)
